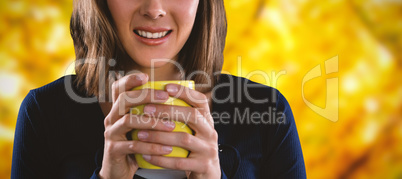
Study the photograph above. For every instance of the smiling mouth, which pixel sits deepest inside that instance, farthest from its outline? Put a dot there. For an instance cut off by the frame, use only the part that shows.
(150, 35)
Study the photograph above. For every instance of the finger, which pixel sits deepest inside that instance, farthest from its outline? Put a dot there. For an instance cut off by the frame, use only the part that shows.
(128, 99)
(192, 97)
(136, 147)
(176, 163)
(179, 139)
(129, 122)
(127, 83)
(188, 115)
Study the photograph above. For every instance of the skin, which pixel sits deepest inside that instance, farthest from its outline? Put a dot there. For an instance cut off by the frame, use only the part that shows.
(177, 15)
(118, 161)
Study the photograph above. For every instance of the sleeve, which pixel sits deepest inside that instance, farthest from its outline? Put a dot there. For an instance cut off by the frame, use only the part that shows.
(283, 157)
(30, 159)
(223, 175)
(95, 175)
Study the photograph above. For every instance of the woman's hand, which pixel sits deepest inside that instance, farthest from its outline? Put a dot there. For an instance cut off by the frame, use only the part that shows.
(117, 159)
(203, 161)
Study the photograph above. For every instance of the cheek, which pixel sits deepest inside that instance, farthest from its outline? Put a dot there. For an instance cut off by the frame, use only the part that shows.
(121, 11)
(186, 12)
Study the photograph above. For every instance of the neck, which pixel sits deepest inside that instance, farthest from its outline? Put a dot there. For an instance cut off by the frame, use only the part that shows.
(164, 73)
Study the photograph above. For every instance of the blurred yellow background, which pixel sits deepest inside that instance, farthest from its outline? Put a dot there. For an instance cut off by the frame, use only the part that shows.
(285, 39)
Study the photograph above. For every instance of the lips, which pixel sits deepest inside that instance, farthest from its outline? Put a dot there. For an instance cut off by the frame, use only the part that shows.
(152, 36)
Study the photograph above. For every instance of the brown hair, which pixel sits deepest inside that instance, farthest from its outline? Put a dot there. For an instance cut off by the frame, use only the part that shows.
(93, 32)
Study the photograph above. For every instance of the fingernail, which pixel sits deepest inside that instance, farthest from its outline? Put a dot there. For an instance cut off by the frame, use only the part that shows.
(167, 149)
(149, 109)
(140, 77)
(169, 124)
(172, 88)
(161, 95)
(146, 157)
(142, 135)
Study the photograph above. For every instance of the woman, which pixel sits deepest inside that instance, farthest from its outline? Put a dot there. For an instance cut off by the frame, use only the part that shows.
(76, 126)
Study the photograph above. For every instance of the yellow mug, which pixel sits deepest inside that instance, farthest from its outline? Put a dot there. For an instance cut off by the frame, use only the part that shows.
(180, 127)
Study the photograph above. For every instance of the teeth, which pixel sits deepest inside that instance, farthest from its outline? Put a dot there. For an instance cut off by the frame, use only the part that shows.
(150, 35)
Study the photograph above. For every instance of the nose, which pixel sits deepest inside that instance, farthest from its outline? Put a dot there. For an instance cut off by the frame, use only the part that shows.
(153, 9)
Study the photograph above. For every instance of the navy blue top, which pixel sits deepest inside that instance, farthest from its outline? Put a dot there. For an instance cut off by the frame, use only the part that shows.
(58, 137)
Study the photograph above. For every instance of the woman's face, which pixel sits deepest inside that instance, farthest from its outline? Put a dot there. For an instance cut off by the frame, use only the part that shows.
(153, 29)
